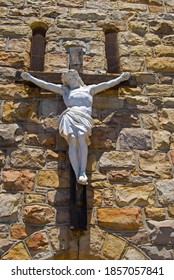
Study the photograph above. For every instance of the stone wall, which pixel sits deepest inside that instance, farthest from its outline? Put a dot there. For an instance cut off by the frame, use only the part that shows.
(130, 164)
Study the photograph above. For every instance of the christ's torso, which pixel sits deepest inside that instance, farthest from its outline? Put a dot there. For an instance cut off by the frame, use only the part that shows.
(79, 98)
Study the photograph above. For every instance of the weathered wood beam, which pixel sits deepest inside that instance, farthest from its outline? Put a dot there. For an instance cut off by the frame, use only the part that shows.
(88, 79)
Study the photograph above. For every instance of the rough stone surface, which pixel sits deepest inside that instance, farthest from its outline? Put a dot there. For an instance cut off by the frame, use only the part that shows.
(134, 196)
(161, 232)
(117, 159)
(38, 246)
(166, 119)
(38, 214)
(4, 246)
(18, 231)
(18, 180)
(120, 219)
(132, 138)
(28, 158)
(58, 237)
(161, 140)
(155, 164)
(10, 207)
(10, 135)
(92, 249)
(158, 252)
(48, 179)
(113, 248)
(18, 252)
(134, 254)
(154, 213)
(165, 191)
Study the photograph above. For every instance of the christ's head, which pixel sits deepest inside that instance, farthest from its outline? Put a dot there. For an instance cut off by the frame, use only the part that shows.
(72, 79)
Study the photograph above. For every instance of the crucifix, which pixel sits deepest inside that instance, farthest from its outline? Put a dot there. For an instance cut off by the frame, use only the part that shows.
(75, 123)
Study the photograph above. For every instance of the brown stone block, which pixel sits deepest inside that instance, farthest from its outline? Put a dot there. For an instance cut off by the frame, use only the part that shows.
(155, 213)
(101, 185)
(40, 140)
(103, 102)
(78, 3)
(91, 243)
(10, 134)
(34, 198)
(113, 248)
(52, 59)
(130, 91)
(14, 59)
(120, 218)
(161, 139)
(134, 196)
(139, 27)
(128, 38)
(151, 39)
(117, 159)
(132, 7)
(166, 119)
(37, 243)
(103, 138)
(13, 111)
(10, 209)
(134, 254)
(38, 214)
(59, 239)
(161, 51)
(18, 231)
(96, 62)
(160, 90)
(150, 121)
(28, 158)
(134, 138)
(137, 238)
(131, 64)
(165, 191)
(168, 40)
(18, 252)
(155, 164)
(19, 44)
(119, 176)
(156, 9)
(11, 91)
(94, 198)
(163, 64)
(23, 180)
(108, 197)
(48, 178)
(140, 51)
(171, 211)
(122, 119)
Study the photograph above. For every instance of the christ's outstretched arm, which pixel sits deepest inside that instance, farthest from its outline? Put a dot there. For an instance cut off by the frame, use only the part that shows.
(48, 86)
(106, 85)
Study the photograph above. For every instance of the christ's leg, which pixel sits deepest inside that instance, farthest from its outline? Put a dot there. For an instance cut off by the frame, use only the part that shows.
(73, 154)
(82, 153)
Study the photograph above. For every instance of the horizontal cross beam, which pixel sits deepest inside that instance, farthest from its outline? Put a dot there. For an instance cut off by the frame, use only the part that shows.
(88, 79)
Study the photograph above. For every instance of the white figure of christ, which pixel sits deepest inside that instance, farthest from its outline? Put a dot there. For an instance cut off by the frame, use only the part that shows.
(75, 123)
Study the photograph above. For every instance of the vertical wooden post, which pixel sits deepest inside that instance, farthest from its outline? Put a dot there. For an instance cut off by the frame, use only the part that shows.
(78, 203)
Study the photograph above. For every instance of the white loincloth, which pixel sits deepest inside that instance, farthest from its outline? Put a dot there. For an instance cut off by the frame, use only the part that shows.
(72, 120)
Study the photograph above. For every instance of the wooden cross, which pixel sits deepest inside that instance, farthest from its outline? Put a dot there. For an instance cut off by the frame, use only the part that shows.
(78, 202)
